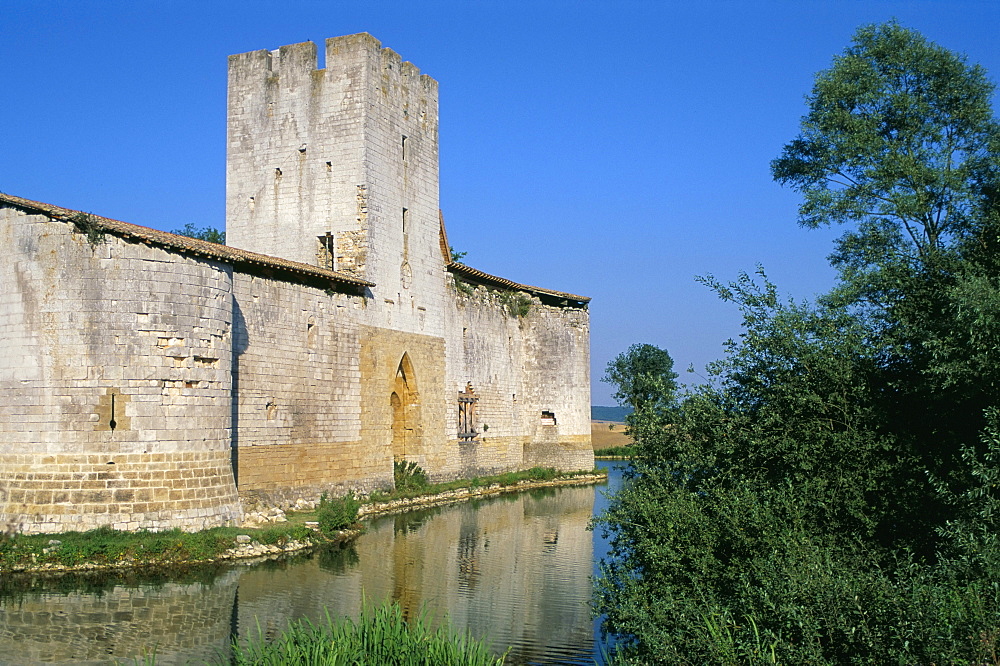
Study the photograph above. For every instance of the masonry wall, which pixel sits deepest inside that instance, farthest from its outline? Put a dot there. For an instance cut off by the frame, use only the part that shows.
(556, 363)
(344, 151)
(518, 366)
(148, 386)
(116, 372)
(403, 404)
(325, 402)
(296, 392)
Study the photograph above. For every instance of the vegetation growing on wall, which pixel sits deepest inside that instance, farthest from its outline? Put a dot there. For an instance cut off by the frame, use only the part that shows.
(515, 303)
(89, 226)
(463, 287)
(518, 303)
(832, 495)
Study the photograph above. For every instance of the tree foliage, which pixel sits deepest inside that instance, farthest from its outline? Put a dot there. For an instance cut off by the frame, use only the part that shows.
(900, 138)
(210, 234)
(643, 376)
(831, 496)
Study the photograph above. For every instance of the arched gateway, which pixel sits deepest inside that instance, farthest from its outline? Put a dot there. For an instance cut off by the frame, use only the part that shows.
(405, 401)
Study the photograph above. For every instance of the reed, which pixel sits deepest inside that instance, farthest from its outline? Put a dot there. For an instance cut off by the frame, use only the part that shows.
(380, 637)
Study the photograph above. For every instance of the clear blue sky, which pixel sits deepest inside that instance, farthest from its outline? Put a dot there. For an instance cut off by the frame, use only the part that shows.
(615, 150)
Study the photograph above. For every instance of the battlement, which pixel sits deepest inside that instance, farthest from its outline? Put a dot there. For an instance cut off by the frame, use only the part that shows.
(298, 59)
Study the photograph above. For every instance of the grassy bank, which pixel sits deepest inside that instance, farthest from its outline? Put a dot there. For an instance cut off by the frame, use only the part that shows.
(617, 452)
(412, 482)
(105, 547)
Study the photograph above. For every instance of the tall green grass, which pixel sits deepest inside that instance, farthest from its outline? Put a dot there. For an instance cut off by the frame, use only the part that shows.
(380, 637)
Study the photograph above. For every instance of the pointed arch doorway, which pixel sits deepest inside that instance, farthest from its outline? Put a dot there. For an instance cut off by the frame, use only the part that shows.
(405, 403)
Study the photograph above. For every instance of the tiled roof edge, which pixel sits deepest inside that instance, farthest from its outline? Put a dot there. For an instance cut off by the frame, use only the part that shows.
(486, 278)
(185, 244)
(443, 239)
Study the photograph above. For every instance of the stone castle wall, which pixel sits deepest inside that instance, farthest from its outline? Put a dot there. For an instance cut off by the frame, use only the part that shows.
(351, 156)
(520, 365)
(151, 385)
(296, 384)
(117, 381)
(314, 391)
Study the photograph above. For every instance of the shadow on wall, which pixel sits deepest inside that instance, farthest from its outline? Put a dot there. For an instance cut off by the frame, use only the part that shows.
(240, 344)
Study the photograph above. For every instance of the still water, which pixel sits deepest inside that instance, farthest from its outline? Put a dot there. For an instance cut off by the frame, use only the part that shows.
(514, 570)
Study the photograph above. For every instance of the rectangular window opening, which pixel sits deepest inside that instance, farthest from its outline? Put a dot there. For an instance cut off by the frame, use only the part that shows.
(548, 418)
(404, 150)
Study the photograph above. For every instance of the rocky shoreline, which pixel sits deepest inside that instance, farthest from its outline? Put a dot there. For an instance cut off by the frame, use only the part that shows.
(249, 551)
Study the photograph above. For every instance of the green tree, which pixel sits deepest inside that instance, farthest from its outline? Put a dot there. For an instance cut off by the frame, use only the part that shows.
(900, 139)
(644, 377)
(901, 144)
(210, 234)
(829, 497)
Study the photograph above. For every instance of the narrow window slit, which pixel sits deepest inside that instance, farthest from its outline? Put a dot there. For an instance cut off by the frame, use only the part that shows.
(113, 423)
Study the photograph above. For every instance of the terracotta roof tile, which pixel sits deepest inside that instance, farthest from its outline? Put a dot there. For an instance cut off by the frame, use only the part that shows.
(188, 245)
(485, 278)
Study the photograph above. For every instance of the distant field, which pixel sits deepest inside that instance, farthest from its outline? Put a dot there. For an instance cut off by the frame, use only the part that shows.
(604, 437)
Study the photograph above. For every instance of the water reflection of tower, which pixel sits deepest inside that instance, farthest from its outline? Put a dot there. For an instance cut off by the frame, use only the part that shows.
(515, 569)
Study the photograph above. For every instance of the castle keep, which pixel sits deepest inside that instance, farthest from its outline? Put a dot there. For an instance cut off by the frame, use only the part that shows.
(154, 380)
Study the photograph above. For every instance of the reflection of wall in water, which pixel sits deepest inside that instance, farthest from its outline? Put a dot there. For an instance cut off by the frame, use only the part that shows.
(516, 568)
(184, 622)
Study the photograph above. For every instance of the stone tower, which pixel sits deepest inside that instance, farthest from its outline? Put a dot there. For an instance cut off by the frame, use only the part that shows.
(338, 167)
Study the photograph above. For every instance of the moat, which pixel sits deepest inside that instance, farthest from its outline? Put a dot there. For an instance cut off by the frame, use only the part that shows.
(514, 569)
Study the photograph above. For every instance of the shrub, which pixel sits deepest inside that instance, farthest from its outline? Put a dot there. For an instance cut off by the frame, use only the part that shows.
(615, 452)
(337, 514)
(542, 473)
(408, 475)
